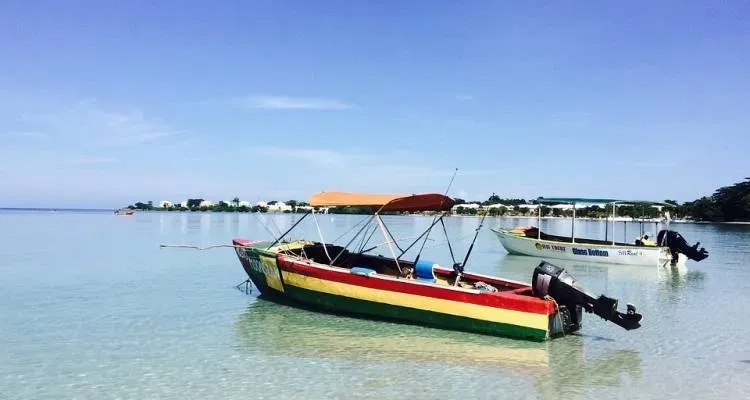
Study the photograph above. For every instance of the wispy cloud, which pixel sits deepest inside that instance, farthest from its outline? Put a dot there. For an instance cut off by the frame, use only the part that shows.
(569, 119)
(28, 134)
(292, 103)
(648, 164)
(464, 97)
(426, 171)
(385, 164)
(146, 137)
(90, 121)
(316, 156)
(92, 161)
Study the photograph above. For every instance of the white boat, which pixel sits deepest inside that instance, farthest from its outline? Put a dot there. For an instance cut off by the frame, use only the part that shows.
(670, 248)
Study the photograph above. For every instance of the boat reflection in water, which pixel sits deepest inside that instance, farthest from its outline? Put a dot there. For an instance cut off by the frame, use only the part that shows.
(279, 330)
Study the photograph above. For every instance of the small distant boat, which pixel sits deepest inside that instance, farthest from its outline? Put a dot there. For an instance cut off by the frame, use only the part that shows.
(669, 248)
(333, 278)
(124, 211)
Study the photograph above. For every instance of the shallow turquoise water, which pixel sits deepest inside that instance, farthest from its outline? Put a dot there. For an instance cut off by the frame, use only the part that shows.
(92, 308)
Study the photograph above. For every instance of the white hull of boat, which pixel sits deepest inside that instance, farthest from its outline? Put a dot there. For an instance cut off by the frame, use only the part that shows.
(584, 252)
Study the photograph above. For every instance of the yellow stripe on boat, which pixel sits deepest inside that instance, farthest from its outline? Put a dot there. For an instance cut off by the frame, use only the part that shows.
(461, 309)
(271, 272)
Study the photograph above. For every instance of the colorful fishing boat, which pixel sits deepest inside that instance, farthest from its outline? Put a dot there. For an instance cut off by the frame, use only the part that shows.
(334, 278)
(669, 248)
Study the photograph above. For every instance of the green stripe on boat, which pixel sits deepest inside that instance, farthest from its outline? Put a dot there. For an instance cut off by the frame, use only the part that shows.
(345, 305)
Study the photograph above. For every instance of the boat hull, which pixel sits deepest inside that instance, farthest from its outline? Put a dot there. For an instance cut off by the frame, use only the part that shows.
(339, 290)
(260, 267)
(585, 252)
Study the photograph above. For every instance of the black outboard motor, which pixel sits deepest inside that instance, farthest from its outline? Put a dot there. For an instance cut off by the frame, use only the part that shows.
(677, 244)
(554, 281)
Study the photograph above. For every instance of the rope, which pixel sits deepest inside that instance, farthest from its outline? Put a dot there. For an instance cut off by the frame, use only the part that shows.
(438, 244)
(184, 246)
(559, 317)
(351, 229)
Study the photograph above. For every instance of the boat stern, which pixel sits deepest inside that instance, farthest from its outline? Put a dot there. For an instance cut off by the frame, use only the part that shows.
(565, 320)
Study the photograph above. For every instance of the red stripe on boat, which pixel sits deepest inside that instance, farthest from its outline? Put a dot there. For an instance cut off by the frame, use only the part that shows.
(506, 299)
(245, 242)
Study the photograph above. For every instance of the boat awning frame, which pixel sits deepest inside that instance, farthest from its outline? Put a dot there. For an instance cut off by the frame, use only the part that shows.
(384, 202)
(585, 200)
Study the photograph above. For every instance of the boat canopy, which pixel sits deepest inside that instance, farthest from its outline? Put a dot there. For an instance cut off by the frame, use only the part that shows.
(585, 200)
(385, 202)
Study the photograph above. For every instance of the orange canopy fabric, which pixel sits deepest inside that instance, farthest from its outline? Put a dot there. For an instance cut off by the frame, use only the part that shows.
(389, 202)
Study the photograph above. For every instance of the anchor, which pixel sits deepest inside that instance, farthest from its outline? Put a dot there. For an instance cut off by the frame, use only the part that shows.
(247, 284)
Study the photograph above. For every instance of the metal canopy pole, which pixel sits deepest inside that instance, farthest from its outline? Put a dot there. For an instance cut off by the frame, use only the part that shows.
(573, 225)
(352, 239)
(320, 233)
(288, 230)
(614, 213)
(434, 222)
(539, 223)
(606, 227)
(388, 241)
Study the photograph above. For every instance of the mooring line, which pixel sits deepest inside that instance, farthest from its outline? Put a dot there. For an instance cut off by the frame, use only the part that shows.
(185, 246)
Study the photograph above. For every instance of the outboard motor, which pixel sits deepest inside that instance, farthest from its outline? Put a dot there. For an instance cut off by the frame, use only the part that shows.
(677, 244)
(554, 281)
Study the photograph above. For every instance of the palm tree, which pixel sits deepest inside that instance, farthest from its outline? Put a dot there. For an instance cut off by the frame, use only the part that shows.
(236, 201)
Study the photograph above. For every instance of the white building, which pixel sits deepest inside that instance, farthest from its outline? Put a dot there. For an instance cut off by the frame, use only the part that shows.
(206, 203)
(279, 207)
(166, 204)
(466, 206)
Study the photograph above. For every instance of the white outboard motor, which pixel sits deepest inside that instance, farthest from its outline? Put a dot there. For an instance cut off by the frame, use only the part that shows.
(551, 280)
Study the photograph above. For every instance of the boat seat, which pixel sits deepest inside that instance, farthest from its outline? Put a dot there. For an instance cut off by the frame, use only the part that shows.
(423, 271)
(362, 271)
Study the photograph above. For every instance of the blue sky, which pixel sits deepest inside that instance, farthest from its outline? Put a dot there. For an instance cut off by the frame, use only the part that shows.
(103, 104)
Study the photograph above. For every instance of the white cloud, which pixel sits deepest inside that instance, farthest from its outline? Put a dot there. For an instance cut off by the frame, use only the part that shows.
(292, 103)
(464, 97)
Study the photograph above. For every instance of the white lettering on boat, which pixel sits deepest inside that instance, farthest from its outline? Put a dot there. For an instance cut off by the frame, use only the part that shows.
(266, 266)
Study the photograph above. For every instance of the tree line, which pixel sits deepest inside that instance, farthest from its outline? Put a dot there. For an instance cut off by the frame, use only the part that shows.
(727, 204)
(222, 206)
